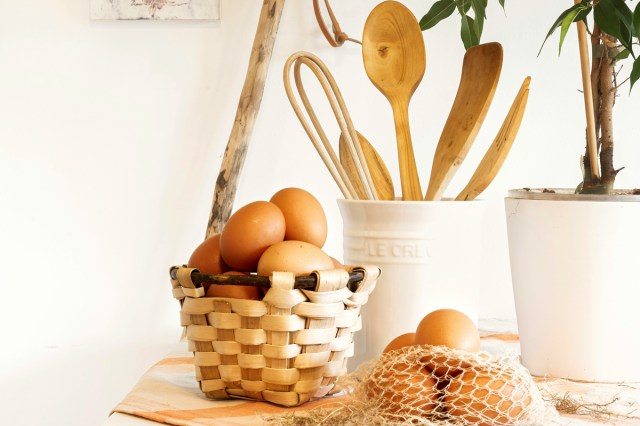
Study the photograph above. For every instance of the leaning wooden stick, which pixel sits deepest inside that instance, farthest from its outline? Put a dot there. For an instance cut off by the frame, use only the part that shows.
(248, 107)
(592, 142)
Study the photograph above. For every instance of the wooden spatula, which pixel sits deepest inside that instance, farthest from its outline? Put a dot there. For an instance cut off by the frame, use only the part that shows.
(497, 152)
(379, 173)
(480, 74)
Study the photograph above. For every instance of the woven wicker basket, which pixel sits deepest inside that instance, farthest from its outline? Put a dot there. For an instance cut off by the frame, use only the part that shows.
(288, 348)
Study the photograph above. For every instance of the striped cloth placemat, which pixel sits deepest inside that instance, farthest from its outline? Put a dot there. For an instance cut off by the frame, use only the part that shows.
(168, 393)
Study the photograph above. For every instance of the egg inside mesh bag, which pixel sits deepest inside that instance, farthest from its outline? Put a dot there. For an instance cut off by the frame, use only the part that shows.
(441, 386)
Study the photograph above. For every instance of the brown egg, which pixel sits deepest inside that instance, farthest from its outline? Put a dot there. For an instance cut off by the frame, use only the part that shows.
(234, 291)
(407, 339)
(405, 390)
(336, 263)
(487, 398)
(293, 256)
(206, 257)
(249, 232)
(450, 328)
(303, 215)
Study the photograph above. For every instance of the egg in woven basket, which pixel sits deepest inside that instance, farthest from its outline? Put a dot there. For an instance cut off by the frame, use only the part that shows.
(249, 232)
(206, 257)
(234, 291)
(336, 263)
(304, 216)
(298, 257)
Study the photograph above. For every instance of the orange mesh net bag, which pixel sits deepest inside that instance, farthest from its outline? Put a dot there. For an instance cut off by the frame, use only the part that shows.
(435, 385)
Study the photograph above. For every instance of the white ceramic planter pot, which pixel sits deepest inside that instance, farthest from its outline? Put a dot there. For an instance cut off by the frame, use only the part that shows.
(430, 256)
(574, 265)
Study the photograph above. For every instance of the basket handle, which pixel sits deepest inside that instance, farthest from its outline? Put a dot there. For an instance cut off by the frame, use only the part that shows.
(306, 282)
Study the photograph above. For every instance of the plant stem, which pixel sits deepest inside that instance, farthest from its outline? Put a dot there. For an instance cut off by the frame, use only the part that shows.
(608, 93)
(604, 93)
(596, 63)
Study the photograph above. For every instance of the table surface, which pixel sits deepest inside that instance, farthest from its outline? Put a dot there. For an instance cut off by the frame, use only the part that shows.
(119, 419)
(495, 326)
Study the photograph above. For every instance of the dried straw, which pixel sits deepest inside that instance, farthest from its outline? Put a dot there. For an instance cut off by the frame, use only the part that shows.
(571, 404)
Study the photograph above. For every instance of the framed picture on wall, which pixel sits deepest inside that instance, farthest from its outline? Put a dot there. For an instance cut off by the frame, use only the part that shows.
(155, 9)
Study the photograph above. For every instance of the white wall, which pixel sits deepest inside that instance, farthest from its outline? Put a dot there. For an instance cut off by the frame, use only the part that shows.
(111, 136)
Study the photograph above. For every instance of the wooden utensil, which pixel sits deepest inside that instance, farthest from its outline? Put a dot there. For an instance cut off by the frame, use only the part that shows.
(497, 152)
(323, 145)
(395, 60)
(480, 74)
(379, 172)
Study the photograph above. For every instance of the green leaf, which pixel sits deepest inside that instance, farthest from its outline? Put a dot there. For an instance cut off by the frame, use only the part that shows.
(625, 39)
(624, 13)
(559, 21)
(468, 33)
(440, 10)
(479, 24)
(479, 8)
(626, 24)
(564, 27)
(463, 6)
(582, 15)
(619, 54)
(636, 20)
(501, 3)
(635, 72)
(608, 19)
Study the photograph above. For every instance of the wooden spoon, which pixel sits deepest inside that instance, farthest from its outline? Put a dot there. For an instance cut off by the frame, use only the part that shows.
(480, 74)
(395, 60)
(497, 152)
(379, 173)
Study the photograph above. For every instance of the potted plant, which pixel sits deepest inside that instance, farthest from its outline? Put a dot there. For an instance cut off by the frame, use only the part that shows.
(573, 251)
